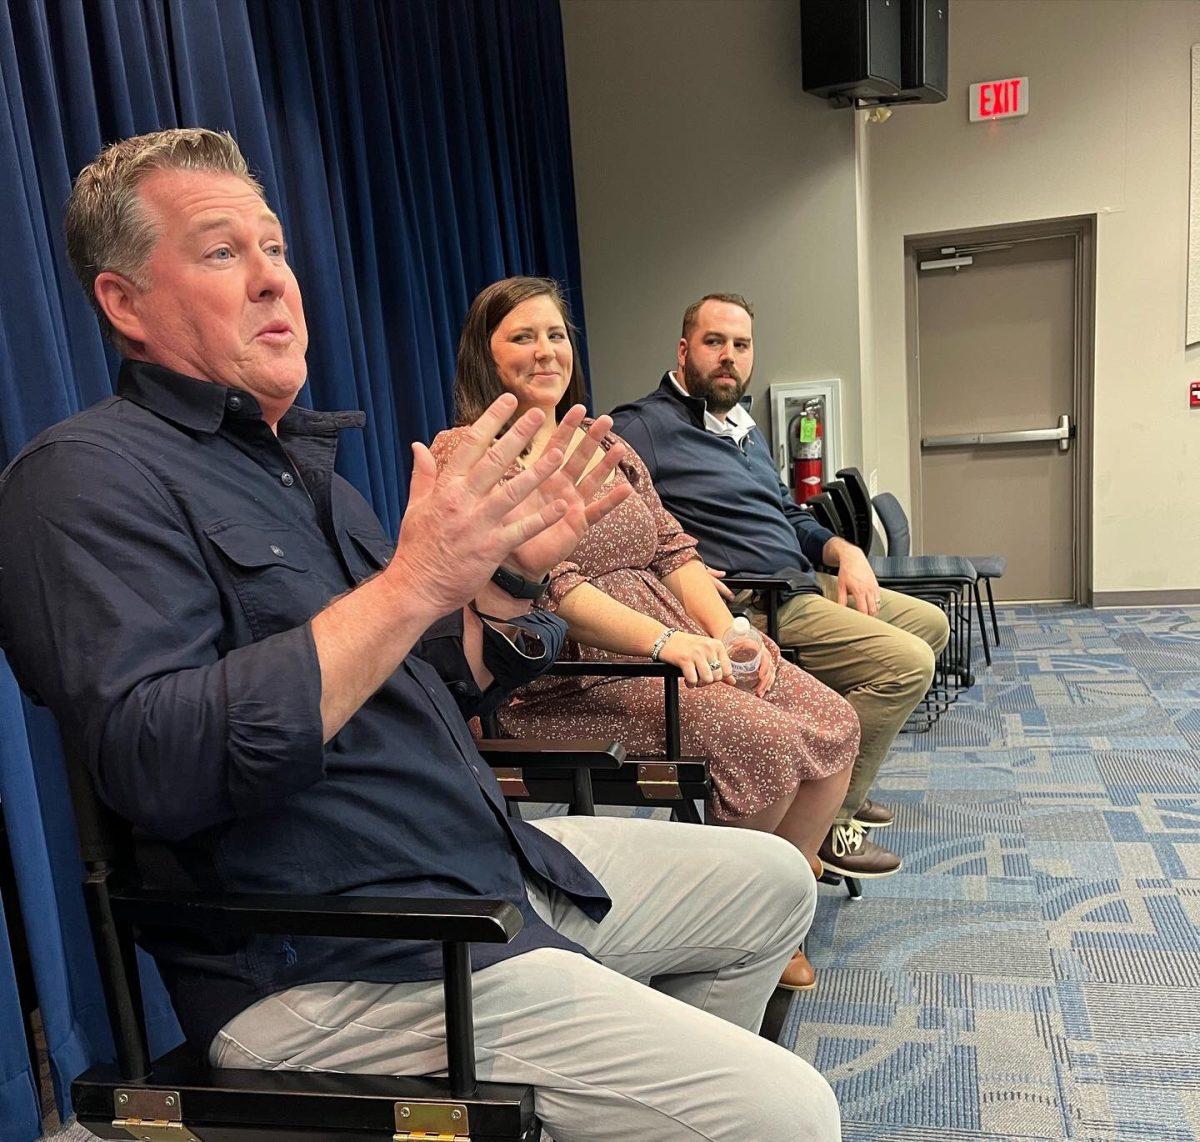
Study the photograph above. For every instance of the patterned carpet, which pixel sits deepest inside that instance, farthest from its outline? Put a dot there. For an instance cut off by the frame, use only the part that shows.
(1034, 970)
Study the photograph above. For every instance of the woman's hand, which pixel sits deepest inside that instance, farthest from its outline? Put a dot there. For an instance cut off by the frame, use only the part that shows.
(548, 548)
(766, 670)
(702, 660)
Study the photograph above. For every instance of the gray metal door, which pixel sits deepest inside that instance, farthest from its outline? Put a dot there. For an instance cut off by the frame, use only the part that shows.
(998, 408)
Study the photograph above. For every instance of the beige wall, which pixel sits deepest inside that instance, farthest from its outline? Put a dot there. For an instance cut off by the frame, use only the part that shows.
(1107, 134)
(701, 165)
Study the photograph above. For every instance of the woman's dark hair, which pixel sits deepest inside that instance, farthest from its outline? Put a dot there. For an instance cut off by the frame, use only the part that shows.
(476, 382)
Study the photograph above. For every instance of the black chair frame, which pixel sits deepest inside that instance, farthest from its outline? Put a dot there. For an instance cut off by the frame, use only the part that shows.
(180, 1097)
(654, 780)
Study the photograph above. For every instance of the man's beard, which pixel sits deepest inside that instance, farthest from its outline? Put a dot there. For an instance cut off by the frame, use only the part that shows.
(718, 398)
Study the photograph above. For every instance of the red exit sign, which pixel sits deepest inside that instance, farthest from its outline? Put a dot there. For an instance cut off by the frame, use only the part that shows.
(999, 99)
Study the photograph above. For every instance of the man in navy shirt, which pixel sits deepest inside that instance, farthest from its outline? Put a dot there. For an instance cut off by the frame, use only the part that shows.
(275, 699)
(714, 471)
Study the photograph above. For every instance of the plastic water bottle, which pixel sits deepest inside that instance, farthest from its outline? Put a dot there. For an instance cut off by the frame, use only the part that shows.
(744, 645)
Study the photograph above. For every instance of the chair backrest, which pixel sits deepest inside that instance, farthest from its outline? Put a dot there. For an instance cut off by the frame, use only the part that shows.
(845, 508)
(823, 511)
(837, 492)
(860, 498)
(895, 523)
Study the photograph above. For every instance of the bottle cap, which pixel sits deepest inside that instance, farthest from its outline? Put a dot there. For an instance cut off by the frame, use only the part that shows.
(741, 624)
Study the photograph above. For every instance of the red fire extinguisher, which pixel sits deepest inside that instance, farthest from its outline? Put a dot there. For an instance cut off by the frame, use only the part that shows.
(806, 435)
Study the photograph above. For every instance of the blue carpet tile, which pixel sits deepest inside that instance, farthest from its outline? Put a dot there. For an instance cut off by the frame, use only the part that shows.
(1034, 970)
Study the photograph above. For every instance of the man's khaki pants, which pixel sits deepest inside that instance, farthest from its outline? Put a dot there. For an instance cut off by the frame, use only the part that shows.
(881, 666)
(706, 916)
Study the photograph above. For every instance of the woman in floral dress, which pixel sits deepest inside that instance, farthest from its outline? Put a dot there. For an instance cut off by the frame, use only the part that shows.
(780, 755)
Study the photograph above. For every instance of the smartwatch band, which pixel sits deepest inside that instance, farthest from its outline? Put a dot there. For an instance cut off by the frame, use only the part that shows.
(517, 585)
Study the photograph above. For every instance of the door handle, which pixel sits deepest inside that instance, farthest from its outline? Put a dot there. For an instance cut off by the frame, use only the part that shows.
(1063, 434)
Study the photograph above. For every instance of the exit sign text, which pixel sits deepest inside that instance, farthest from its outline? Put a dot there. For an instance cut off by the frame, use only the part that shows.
(999, 99)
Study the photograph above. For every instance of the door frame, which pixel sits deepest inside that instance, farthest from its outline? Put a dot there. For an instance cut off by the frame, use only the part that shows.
(1083, 229)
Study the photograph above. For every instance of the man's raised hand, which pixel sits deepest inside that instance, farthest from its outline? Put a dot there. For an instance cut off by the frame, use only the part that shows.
(577, 486)
(461, 523)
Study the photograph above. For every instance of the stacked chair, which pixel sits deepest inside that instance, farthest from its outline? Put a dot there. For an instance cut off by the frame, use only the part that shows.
(846, 508)
(987, 567)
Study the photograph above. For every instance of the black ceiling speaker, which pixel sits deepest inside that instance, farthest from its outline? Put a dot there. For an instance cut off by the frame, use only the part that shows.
(924, 47)
(850, 49)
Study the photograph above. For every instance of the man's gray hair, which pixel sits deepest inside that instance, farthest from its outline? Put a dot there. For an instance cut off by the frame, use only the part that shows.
(107, 226)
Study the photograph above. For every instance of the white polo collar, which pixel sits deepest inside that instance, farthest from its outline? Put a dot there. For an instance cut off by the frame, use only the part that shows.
(737, 423)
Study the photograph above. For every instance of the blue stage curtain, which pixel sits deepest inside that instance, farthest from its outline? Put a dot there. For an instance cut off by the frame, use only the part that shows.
(416, 150)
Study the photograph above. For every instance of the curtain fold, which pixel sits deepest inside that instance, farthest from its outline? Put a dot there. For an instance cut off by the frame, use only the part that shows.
(416, 150)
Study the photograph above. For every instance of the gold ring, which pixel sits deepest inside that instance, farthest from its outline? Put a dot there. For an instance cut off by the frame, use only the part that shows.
(715, 665)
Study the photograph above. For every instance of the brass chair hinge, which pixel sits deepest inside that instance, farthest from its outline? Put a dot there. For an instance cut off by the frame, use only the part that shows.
(431, 1122)
(150, 1115)
(658, 781)
(511, 781)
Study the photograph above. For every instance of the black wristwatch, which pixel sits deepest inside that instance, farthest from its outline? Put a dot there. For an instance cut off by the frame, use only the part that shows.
(518, 586)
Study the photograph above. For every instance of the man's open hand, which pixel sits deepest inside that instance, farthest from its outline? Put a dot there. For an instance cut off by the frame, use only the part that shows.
(538, 554)
(461, 523)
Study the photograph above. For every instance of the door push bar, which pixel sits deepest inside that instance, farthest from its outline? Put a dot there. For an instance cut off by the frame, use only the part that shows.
(1063, 434)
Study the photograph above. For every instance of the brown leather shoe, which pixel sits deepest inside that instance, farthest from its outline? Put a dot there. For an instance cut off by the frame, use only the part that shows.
(799, 974)
(873, 816)
(847, 852)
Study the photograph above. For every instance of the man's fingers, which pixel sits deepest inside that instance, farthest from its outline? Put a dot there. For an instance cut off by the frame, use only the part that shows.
(424, 473)
(479, 435)
(510, 495)
(601, 473)
(598, 509)
(581, 456)
(524, 528)
(843, 594)
(565, 432)
(498, 456)
(722, 590)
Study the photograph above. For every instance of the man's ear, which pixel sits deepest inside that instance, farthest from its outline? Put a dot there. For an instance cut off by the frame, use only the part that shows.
(681, 356)
(117, 296)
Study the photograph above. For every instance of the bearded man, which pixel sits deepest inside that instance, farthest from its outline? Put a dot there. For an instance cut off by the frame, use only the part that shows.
(714, 471)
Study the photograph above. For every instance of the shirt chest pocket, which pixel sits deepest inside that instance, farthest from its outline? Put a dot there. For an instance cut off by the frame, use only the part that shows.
(270, 576)
(368, 552)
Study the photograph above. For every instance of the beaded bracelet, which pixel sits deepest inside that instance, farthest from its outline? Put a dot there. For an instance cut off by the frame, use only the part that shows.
(660, 642)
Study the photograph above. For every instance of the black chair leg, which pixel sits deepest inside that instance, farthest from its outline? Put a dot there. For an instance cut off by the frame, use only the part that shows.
(853, 888)
(983, 638)
(776, 1014)
(686, 812)
(992, 607)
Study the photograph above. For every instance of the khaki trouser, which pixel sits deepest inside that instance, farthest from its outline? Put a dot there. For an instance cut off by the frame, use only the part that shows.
(881, 666)
(709, 917)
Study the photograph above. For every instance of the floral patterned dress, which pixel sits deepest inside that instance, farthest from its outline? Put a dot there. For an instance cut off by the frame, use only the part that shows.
(759, 749)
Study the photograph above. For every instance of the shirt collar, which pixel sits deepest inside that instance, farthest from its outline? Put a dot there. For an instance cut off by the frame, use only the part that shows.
(202, 406)
(737, 423)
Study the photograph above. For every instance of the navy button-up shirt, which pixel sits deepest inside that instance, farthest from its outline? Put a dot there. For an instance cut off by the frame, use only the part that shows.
(161, 555)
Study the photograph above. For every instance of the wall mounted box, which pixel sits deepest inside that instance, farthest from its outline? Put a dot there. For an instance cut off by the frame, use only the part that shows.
(850, 49)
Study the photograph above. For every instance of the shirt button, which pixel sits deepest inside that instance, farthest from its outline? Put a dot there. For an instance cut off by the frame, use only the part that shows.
(234, 402)
(276, 550)
(287, 479)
